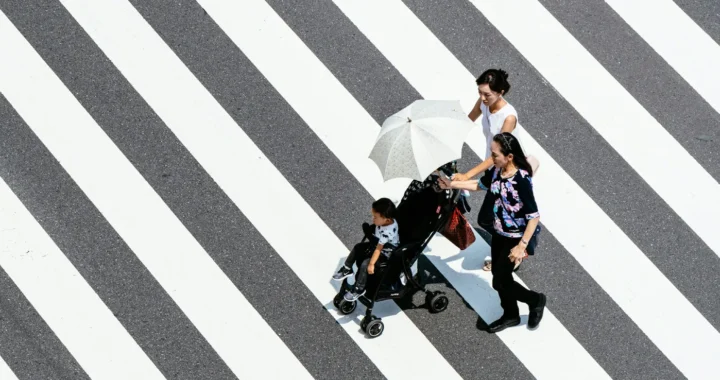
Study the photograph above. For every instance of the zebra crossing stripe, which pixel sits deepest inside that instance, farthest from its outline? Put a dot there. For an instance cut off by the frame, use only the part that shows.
(678, 40)
(5, 372)
(637, 286)
(56, 290)
(194, 281)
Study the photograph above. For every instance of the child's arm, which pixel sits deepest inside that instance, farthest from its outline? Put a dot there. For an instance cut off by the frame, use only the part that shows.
(374, 259)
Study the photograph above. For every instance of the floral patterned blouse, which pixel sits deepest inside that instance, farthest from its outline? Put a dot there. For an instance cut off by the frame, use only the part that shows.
(513, 203)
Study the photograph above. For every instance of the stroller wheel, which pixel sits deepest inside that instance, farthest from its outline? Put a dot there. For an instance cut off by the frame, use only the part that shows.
(337, 299)
(437, 302)
(375, 328)
(347, 307)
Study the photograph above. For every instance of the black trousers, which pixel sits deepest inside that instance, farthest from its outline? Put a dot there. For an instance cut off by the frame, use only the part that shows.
(508, 289)
(360, 255)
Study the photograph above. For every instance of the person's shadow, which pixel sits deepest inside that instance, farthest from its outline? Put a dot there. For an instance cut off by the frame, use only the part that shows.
(484, 299)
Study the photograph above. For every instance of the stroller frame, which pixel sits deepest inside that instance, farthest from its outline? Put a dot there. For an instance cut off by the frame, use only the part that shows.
(380, 288)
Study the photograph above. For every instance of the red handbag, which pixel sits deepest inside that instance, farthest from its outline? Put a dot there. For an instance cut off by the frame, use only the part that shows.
(458, 230)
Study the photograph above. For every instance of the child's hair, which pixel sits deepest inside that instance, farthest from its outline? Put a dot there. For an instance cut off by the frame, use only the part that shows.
(385, 207)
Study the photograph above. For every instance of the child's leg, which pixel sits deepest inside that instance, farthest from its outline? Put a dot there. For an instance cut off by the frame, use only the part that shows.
(360, 281)
(361, 276)
(359, 251)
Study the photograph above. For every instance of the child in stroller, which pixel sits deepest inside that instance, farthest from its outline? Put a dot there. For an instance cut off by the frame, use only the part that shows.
(423, 211)
(385, 238)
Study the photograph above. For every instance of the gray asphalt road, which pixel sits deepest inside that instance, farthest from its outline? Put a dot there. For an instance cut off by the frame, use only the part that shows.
(169, 338)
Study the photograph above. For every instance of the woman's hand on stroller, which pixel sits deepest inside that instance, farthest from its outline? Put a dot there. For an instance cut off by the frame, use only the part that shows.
(444, 183)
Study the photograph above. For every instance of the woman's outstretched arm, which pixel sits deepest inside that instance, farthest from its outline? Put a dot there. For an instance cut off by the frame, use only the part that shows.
(481, 167)
(463, 185)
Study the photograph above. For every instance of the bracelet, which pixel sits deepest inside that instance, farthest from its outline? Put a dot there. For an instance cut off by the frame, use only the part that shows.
(523, 241)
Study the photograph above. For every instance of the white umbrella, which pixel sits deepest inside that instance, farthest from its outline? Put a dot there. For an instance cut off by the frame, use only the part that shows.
(419, 139)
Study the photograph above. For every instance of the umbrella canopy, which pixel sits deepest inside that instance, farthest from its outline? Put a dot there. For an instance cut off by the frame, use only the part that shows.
(419, 139)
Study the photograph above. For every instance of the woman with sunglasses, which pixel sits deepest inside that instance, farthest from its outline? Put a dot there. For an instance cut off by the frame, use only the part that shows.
(515, 218)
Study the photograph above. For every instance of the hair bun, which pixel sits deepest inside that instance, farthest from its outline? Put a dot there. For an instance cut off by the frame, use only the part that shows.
(496, 79)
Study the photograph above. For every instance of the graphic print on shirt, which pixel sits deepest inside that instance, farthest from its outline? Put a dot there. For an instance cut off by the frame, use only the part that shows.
(388, 237)
(513, 201)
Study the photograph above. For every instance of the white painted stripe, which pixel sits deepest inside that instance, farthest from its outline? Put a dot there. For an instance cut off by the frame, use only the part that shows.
(234, 162)
(199, 287)
(678, 40)
(321, 100)
(618, 117)
(637, 286)
(5, 372)
(70, 307)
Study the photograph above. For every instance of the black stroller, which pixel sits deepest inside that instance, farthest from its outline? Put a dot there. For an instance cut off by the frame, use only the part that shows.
(420, 215)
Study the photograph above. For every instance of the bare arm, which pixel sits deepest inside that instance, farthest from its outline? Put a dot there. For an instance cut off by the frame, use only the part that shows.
(475, 112)
(525, 191)
(481, 167)
(529, 231)
(509, 124)
(374, 258)
(517, 252)
(471, 185)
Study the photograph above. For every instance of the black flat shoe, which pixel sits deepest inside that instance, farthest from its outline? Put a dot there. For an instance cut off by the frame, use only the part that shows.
(536, 313)
(503, 323)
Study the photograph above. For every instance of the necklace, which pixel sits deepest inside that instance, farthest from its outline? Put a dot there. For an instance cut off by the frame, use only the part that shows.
(505, 175)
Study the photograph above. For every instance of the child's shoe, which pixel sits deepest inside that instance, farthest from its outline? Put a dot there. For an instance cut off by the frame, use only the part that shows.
(342, 273)
(353, 296)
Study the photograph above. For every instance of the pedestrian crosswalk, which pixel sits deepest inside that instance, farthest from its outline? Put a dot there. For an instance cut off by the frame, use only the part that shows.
(180, 179)
(84, 325)
(685, 47)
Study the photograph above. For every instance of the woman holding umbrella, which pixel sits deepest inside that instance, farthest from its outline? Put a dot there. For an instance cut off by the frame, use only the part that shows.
(515, 217)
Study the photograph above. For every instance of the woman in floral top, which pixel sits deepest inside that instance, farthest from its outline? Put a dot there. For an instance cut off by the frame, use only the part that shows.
(515, 218)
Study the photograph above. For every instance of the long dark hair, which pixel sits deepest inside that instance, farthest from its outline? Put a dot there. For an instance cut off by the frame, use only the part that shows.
(510, 144)
(496, 79)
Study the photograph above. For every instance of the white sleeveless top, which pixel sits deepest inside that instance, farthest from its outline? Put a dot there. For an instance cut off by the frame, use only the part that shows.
(492, 123)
